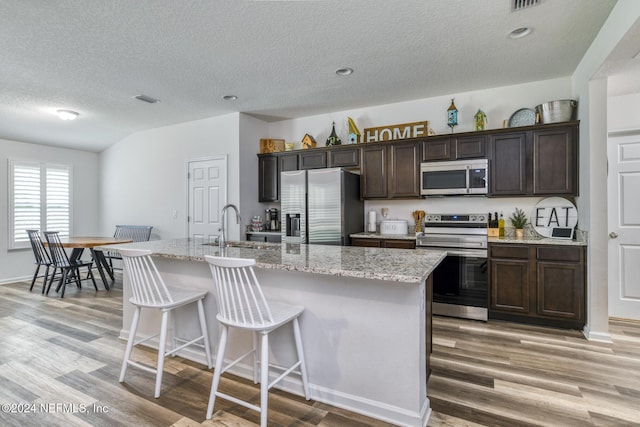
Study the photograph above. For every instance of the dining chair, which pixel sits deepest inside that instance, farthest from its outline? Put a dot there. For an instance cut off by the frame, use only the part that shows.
(242, 304)
(70, 269)
(150, 291)
(137, 233)
(42, 258)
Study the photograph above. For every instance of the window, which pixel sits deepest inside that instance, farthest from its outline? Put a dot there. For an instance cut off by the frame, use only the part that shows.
(39, 198)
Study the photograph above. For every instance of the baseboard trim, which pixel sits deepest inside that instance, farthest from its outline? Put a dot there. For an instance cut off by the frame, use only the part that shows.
(596, 336)
(16, 279)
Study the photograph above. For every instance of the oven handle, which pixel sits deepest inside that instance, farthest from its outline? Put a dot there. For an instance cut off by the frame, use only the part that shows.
(469, 253)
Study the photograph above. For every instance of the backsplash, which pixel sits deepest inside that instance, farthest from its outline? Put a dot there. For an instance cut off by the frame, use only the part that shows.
(402, 209)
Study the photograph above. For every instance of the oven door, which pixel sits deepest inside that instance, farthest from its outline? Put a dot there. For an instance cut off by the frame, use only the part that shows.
(460, 285)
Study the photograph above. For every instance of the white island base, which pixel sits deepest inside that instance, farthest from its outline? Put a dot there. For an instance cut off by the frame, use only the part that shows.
(365, 340)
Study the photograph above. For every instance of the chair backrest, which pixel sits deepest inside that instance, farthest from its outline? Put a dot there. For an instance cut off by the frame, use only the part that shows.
(240, 297)
(39, 251)
(146, 282)
(58, 254)
(138, 233)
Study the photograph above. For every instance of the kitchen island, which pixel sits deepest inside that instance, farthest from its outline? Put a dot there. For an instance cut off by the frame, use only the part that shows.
(366, 326)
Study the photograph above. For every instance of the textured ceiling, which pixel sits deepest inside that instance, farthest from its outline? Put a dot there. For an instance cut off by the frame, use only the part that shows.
(278, 57)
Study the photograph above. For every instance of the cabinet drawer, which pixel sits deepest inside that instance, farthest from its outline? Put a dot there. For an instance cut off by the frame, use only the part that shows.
(561, 253)
(400, 244)
(509, 251)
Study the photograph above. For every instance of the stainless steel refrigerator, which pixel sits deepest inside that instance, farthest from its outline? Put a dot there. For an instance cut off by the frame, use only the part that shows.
(320, 206)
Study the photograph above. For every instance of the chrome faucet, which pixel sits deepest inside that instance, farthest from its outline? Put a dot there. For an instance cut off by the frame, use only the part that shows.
(223, 221)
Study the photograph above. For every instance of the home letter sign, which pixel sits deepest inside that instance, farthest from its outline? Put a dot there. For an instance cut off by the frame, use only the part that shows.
(393, 132)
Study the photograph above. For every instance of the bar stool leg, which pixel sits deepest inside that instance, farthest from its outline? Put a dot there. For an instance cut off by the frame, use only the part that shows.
(132, 339)
(300, 350)
(217, 370)
(264, 379)
(161, 351)
(205, 333)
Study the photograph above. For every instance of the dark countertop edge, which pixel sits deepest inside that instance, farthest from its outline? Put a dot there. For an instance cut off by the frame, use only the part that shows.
(367, 235)
(537, 241)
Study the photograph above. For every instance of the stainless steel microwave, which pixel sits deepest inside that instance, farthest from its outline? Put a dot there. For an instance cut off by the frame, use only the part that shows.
(458, 177)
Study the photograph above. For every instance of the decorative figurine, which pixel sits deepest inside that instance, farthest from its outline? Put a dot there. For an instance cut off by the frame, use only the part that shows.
(481, 119)
(452, 116)
(354, 133)
(308, 141)
(333, 138)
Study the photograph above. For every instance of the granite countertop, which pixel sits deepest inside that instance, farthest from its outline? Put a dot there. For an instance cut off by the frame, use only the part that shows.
(397, 265)
(367, 235)
(537, 240)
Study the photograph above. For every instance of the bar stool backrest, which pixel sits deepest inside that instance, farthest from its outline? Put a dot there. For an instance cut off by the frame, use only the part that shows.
(240, 298)
(39, 251)
(147, 285)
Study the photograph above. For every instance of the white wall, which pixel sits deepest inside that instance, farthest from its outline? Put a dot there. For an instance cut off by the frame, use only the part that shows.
(623, 112)
(498, 103)
(251, 130)
(592, 103)
(18, 264)
(144, 176)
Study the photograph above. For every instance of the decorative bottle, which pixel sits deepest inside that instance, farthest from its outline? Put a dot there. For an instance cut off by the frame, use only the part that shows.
(501, 225)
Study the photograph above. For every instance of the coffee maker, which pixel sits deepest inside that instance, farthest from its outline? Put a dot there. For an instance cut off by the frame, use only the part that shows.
(274, 223)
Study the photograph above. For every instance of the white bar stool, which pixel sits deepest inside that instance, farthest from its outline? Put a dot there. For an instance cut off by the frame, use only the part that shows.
(150, 291)
(241, 304)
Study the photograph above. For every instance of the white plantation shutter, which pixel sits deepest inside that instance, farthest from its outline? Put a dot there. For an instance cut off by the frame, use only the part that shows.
(39, 198)
(57, 200)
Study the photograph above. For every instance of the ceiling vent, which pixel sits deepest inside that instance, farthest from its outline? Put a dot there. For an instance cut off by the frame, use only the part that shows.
(523, 4)
(147, 98)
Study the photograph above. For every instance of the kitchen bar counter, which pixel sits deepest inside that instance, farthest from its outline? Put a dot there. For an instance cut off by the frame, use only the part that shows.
(366, 327)
(369, 263)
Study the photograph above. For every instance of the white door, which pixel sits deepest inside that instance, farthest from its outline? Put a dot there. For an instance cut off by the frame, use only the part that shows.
(207, 195)
(623, 183)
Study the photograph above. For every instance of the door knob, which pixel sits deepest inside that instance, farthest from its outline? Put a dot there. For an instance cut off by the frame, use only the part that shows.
(613, 235)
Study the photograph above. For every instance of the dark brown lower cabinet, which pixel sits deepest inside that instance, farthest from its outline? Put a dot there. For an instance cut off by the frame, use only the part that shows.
(383, 243)
(538, 284)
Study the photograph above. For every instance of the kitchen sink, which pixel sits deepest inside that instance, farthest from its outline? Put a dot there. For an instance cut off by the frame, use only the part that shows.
(246, 245)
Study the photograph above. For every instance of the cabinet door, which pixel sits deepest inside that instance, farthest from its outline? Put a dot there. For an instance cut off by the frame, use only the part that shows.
(373, 172)
(561, 290)
(510, 286)
(435, 148)
(288, 162)
(404, 170)
(399, 244)
(368, 243)
(555, 162)
(313, 160)
(469, 147)
(508, 164)
(268, 178)
(344, 157)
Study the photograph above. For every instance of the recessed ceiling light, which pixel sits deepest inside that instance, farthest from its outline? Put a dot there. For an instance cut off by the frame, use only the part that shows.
(518, 33)
(67, 114)
(344, 71)
(230, 97)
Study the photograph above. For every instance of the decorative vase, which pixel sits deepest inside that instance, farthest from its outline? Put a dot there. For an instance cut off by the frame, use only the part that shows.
(519, 233)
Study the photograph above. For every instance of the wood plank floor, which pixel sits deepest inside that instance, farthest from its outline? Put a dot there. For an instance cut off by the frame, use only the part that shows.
(63, 356)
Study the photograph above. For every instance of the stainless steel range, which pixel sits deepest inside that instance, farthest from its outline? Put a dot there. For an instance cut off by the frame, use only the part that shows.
(460, 285)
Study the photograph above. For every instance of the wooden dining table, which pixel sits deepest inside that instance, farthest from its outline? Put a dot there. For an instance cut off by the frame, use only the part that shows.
(79, 243)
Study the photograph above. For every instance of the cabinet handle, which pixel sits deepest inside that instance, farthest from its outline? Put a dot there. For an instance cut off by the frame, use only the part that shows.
(613, 235)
